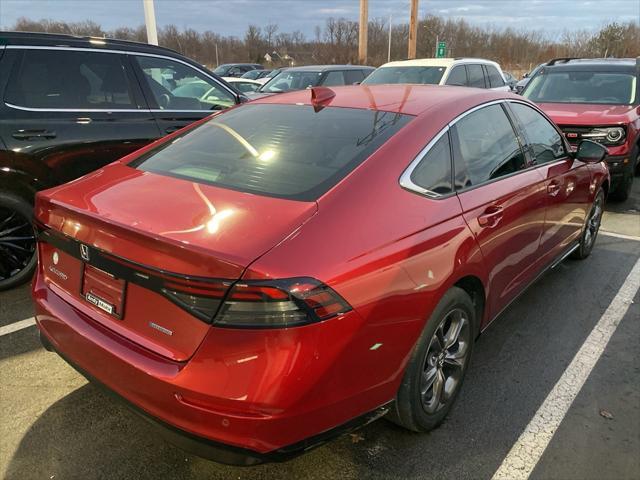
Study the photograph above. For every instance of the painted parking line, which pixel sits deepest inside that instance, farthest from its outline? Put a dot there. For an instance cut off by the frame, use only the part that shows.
(619, 235)
(14, 327)
(525, 454)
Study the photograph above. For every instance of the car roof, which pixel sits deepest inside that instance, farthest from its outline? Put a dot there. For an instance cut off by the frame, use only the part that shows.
(327, 68)
(398, 98)
(97, 43)
(437, 62)
(593, 64)
(238, 64)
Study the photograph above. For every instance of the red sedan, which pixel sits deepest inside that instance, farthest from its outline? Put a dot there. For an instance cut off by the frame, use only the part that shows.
(292, 268)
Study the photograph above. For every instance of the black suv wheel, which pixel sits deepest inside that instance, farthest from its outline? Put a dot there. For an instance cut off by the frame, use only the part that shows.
(17, 241)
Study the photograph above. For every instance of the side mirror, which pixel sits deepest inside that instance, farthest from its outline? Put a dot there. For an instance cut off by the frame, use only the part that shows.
(525, 75)
(590, 152)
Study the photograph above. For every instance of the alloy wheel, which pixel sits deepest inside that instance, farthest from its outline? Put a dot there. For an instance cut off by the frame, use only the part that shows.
(593, 223)
(17, 243)
(445, 361)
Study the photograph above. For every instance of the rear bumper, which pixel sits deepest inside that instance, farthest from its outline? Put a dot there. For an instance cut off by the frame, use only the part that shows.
(185, 399)
(220, 452)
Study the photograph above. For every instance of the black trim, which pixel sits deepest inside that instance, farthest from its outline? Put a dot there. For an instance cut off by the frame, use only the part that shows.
(221, 452)
(145, 276)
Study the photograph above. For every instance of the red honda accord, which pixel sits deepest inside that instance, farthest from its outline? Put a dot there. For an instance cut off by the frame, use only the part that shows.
(298, 266)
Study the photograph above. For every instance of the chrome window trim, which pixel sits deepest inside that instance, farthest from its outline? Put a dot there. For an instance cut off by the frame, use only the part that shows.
(107, 110)
(120, 52)
(405, 179)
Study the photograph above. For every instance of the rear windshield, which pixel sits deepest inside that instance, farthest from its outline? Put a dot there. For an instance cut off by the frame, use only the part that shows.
(610, 88)
(419, 75)
(286, 151)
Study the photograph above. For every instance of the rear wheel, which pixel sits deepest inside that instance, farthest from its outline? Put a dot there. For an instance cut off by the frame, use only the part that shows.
(591, 228)
(438, 364)
(17, 241)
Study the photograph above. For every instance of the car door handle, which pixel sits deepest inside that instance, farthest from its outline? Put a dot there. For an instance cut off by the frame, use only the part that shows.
(31, 134)
(491, 216)
(553, 189)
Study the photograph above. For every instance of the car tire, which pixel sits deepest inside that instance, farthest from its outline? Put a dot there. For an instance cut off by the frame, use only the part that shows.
(623, 189)
(432, 368)
(17, 241)
(591, 228)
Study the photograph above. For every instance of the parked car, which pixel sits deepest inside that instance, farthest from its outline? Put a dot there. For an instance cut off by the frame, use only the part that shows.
(256, 74)
(270, 75)
(299, 78)
(73, 104)
(519, 87)
(288, 270)
(510, 80)
(595, 99)
(236, 69)
(470, 72)
(243, 84)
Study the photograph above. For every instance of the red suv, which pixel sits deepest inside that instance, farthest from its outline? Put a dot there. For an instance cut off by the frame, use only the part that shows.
(295, 267)
(596, 99)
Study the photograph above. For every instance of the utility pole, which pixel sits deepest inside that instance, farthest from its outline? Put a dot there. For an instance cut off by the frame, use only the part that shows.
(413, 29)
(150, 21)
(389, 50)
(362, 36)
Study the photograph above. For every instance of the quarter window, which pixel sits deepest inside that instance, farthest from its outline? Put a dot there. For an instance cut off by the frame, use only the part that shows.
(544, 142)
(433, 173)
(176, 86)
(476, 76)
(486, 147)
(70, 80)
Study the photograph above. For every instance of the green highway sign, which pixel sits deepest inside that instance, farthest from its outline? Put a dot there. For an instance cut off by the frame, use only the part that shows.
(441, 50)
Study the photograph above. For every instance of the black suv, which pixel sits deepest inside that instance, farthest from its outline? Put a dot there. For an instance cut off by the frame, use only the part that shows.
(73, 104)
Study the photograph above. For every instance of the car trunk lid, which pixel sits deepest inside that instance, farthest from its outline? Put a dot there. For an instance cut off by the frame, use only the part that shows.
(136, 249)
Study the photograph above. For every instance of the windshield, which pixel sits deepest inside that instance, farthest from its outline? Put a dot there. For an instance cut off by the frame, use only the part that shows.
(420, 75)
(253, 74)
(287, 80)
(287, 151)
(221, 70)
(610, 88)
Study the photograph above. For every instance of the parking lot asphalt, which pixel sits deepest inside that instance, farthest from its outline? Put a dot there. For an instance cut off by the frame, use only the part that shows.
(57, 426)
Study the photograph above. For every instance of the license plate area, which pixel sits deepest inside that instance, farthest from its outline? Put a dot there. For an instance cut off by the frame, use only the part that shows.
(103, 290)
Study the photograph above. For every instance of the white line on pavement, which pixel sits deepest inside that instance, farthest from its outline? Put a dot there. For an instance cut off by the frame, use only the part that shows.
(14, 327)
(526, 452)
(619, 235)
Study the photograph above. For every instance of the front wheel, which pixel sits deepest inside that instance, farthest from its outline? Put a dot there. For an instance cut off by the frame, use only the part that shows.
(17, 241)
(438, 364)
(591, 228)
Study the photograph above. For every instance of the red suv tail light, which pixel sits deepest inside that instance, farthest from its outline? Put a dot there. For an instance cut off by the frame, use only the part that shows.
(279, 303)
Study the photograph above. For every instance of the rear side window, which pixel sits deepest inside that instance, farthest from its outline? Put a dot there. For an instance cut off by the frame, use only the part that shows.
(333, 79)
(495, 79)
(458, 76)
(286, 151)
(476, 76)
(353, 76)
(433, 173)
(73, 79)
(486, 147)
(543, 141)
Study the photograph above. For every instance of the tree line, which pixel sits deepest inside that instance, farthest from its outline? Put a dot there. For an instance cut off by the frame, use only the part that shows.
(336, 42)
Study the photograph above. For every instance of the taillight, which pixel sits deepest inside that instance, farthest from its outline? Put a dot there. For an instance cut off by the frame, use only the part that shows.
(280, 303)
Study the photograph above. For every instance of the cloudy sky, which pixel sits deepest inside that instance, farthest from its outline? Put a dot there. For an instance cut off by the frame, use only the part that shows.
(231, 17)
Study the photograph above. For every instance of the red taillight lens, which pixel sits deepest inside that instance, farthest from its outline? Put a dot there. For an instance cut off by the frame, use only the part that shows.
(280, 303)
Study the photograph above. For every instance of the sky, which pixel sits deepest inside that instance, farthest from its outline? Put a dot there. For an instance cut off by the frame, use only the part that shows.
(231, 17)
